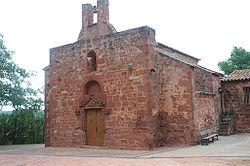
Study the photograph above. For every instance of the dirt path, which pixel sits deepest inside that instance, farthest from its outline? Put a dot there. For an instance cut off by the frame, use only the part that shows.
(10, 160)
(228, 151)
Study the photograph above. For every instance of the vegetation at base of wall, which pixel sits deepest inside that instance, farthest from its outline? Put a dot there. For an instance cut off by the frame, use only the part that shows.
(22, 127)
(239, 60)
(26, 123)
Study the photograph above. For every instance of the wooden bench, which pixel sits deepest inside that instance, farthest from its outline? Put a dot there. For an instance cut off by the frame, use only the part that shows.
(208, 136)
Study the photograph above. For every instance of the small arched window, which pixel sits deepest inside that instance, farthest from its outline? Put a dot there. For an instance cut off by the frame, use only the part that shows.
(91, 61)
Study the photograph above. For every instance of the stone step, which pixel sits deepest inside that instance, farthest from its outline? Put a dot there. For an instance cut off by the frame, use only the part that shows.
(226, 120)
(223, 129)
(225, 132)
(225, 124)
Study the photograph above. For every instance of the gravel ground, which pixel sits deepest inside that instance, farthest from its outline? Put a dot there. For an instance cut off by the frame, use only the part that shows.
(20, 160)
(228, 151)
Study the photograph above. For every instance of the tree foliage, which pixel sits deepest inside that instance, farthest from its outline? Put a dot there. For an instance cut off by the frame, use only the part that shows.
(15, 90)
(239, 60)
(25, 124)
(22, 127)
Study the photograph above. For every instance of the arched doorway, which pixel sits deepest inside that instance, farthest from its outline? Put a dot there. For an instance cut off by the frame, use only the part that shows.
(93, 107)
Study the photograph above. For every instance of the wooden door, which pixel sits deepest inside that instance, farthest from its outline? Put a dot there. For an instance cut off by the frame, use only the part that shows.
(95, 130)
(100, 128)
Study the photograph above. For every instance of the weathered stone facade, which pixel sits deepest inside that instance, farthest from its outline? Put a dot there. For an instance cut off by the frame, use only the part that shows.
(135, 93)
(236, 100)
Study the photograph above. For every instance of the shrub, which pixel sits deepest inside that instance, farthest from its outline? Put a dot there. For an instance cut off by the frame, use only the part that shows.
(22, 127)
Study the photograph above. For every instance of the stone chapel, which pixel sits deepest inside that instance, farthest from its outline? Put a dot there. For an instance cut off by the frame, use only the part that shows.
(124, 90)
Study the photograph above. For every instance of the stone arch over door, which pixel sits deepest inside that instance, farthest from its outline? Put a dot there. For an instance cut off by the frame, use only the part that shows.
(93, 108)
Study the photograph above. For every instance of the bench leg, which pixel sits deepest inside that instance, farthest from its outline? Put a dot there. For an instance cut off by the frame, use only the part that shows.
(204, 142)
(207, 142)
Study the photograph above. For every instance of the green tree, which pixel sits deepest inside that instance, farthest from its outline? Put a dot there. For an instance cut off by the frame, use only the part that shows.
(25, 124)
(15, 88)
(239, 60)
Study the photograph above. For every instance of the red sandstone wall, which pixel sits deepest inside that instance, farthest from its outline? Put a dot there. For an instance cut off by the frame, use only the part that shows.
(233, 94)
(123, 63)
(187, 102)
(174, 103)
(147, 109)
(207, 101)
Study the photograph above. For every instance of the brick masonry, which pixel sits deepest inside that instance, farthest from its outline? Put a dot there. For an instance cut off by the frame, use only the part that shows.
(151, 95)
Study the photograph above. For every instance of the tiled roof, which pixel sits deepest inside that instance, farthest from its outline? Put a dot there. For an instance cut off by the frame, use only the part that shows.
(159, 50)
(238, 75)
(162, 45)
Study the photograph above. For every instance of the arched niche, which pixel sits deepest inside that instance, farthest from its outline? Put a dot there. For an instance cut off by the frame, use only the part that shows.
(92, 88)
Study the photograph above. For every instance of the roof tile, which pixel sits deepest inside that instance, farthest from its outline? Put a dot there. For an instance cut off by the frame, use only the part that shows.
(238, 75)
